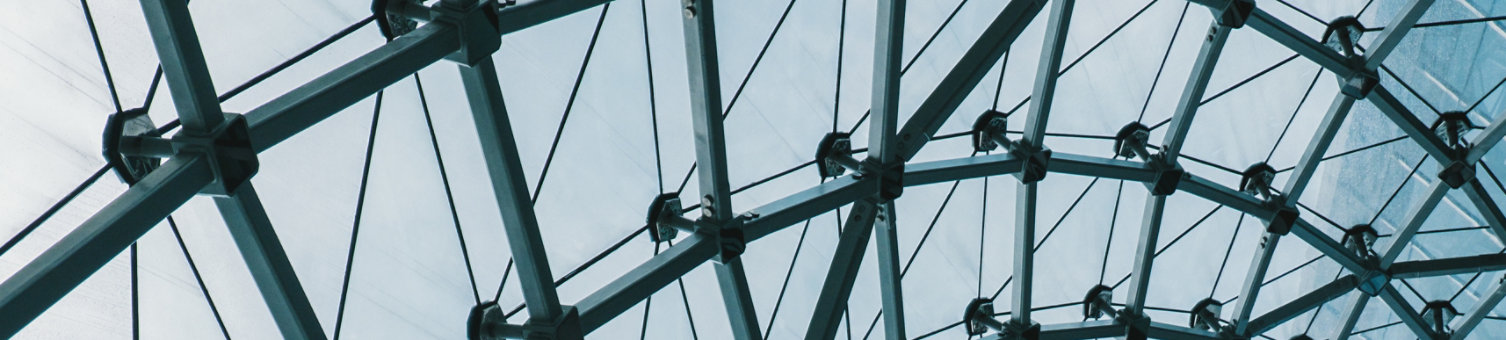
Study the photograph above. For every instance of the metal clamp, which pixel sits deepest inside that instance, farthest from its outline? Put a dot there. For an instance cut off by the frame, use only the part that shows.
(1256, 180)
(1204, 315)
(834, 155)
(121, 139)
(480, 31)
(1132, 141)
(1234, 13)
(227, 148)
(1360, 239)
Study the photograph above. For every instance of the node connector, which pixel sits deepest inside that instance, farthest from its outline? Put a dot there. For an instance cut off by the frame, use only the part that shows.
(1451, 126)
(1256, 180)
(1205, 315)
(1437, 314)
(1360, 239)
(1282, 219)
(1234, 13)
(227, 147)
(1132, 141)
(1098, 303)
(119, 128)
(834, 155)
(1301, 337)
(1035, 160)
(1359, 85)
(978, 318)
(891, 177)
(731, 241)
(1343, 34)
(480, 32)
(988, 130)
(398, 17)
(1374, 281)
(664, 220)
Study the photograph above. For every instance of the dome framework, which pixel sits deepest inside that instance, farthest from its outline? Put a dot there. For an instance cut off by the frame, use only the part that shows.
(215, 155)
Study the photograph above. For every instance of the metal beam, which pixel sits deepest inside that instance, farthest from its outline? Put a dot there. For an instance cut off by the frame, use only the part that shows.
(964, 76)
(1352, 317)
(86, 249)
(804, 205)
(518, 17)
(1172, 332)
(1296, 184)
(1302, 304)
(888, 53)
(711, 157)
(301, 108)
(1259, 265)
(964, 168)
(270, 268)
(1486, 140)
(1415, 219)
(1488, 208)
(199, 110)
(1391, 36)
(500, 150)
(1405, 311)
(1482, 308)
(183, 64)
(1042, 96)
(1082, 330)
(1176, 135)
(1330, 248)
(1449, 266)
(1408, 122)
(843, 271)
(1294, 39)
(641, 282)
(1207, 189)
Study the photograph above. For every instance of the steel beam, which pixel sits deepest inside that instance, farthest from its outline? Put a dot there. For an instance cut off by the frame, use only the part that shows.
(1356, 308)
(301, 108)
(1330, 248)
(1487, 207)
(965, 75)
(518, 17)
(1172, 332)
(1415, 219)
(1082, 330)
(711, 157)
(1074, 164)
(804, 205)
(1408, 122)
(1043, 95)
(843, 271)
(500, 150)
(883, 151)
(1254, 280)
(86, 249)
(1302, 304)
(1176, 135)
(199, 110)
(1482, 308)
(964, 168)
(641, 282)
(1294, 39)
(1486, 140)
(1391, 36)
(270, 268)
(1405, 311)
(1449, 266)
(1207, 189)
(183, 64)
(1307, 166)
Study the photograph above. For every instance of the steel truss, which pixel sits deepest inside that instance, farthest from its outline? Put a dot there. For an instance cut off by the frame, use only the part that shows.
(215, 154)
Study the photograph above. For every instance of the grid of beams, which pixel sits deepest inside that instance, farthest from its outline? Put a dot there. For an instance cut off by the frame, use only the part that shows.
(83, 251)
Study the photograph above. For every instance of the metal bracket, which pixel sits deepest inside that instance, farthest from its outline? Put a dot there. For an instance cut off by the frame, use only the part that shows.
(480, 32)
(488, 322)
(988, 129)
(1457, 173)
(1098, 302)
(398, 17)
(1022, 331)
(834, 155)
(1234, 13)
(121, 140)
(731, 240)
(227, 148)
(1035, 161)
(1256, 180)
(664, 220)
(1360, 84)
(890, 178)
(1204, 315)
(1168, 176)
(1282, 219)
(1374, 282)
(1136, 326)
(1360, 239)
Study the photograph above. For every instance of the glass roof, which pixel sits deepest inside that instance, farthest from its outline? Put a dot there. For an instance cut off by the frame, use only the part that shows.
(389, 222)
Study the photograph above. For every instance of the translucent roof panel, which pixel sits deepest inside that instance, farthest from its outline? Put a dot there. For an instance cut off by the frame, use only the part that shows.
(403, 191)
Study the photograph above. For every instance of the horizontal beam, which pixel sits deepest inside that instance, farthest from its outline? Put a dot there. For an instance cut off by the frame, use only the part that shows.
(638, 284)
(1083, 330)
(1292, 309)
(1101, 167)
(86, 249)
(1207, 189)
(291, 113)
(1172, 332)
(1448, 266)
(518, 17)
(806, 204)
(1295, 40)
(1330, 248)
(962, 168)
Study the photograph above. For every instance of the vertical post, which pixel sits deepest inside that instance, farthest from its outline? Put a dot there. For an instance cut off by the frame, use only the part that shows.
(1042, 96)
(883, 153)
(711, 157)
(500, 151)
(843, 271)
(199, 110)
(1176, 135)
